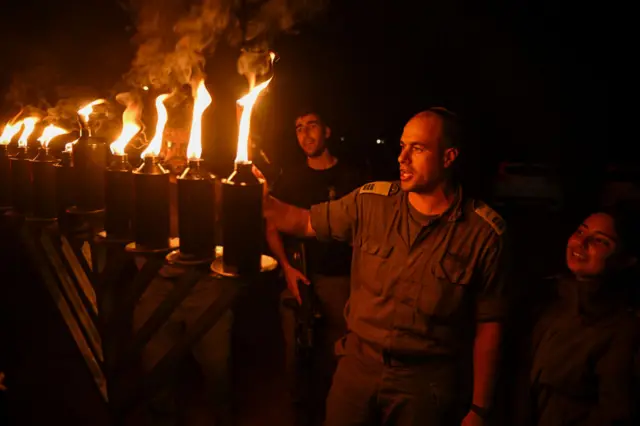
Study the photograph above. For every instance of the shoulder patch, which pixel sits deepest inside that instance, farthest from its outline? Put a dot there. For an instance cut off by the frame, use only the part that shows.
(380, 188)
(490, 216)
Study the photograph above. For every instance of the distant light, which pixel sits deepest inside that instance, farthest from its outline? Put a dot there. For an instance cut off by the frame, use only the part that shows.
(145, 88)
(380, 141)
(342, 138)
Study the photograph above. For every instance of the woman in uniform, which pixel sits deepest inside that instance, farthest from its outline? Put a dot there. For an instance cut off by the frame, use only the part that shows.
(585, 336)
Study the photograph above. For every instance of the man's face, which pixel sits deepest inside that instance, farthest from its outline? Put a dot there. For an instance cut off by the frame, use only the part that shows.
(312, 134)
(423, 160)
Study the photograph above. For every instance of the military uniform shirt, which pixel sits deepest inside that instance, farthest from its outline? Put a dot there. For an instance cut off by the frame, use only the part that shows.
(422, 298)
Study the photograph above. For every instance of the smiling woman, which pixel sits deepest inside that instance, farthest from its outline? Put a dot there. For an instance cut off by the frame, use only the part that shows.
(602, 245)
(583, 344)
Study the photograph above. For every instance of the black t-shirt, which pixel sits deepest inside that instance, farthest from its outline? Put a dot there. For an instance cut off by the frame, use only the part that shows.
(303, 187)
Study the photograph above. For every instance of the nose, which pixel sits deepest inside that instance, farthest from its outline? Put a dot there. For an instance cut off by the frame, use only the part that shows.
(403, 158)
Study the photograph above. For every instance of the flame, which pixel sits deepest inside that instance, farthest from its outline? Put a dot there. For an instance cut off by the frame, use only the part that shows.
(87, 110)
(247, 102)
(69, 147)
(29, 125)
(130, 128)
(49, 133)
(154, 147)
(201, 102)
(10, 130)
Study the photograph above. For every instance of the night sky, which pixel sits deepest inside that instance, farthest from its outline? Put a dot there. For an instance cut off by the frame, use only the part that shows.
(529, 78)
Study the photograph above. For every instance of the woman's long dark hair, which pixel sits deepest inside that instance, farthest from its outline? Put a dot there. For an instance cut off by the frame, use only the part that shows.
(627, 225)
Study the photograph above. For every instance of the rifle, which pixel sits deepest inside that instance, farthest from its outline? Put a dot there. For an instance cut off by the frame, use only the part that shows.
(307, 312)
(307, 316)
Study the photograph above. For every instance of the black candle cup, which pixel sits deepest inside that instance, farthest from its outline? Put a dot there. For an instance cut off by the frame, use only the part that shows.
(242, 221)
(196, 211)
(65, 183)
(151, 223)
(43, 175)
(89, 163)
(118, 198)
(21, 189)
(5, 177)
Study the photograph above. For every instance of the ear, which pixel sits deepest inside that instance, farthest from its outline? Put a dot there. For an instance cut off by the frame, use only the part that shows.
(327, 132)
(449, 156)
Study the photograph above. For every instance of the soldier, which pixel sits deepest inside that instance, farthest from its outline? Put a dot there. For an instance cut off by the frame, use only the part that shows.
(320, 178)
(427, 287)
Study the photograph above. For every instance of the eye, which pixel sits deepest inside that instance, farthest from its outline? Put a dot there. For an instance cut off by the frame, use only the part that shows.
(417, 148)
(579, 233)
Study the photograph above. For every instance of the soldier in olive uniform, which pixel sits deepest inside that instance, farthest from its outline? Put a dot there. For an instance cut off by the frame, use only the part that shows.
(427, 289)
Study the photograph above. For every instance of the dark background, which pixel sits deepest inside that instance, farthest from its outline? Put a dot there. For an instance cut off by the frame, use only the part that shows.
(530, 78)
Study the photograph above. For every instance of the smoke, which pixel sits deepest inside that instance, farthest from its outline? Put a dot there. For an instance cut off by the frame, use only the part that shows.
(173, 52)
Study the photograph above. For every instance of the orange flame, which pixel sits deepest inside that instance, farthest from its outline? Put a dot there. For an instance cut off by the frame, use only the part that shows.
(29, 126)
(155, 146)
(49, 133)
(130, 128)
(69, 147)
(247, 102)
(10, 130)
(201, 102)
(87, 110)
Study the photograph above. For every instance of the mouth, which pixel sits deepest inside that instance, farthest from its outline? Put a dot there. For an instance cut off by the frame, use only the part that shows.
(405, 175)
(577, 255)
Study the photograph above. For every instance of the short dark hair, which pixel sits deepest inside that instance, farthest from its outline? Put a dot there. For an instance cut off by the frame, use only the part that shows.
(451, 127)
(311, 110)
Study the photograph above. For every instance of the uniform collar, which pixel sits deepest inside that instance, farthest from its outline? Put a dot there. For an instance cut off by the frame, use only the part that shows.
(452, 213)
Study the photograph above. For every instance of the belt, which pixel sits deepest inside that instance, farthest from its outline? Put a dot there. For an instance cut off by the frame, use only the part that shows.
(394, 359)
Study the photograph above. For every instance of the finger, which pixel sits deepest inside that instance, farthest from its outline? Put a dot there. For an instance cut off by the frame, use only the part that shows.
(296, 294)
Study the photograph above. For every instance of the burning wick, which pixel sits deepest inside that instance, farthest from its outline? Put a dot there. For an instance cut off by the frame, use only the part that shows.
(85, 112)
(49, 133)
(196, 191)
(130, 128)
(202, 100)
(10, 130)
(247, 102)
(43, 173)
(29, 126)
(242, 222)
(154, 147)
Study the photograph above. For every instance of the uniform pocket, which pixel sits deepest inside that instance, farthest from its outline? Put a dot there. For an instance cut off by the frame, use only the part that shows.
(374, 265)
(445, 289)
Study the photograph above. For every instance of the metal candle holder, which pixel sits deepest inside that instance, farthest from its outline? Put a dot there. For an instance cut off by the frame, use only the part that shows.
(21, 182)
(89, 162)
(242, 221)
(118, 198)
(196, 213)
(43, 174)
(65, 183)
(5, 178)
(151, 225)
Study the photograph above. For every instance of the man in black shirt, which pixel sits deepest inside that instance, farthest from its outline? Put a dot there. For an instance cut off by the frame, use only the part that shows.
(321, 178)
